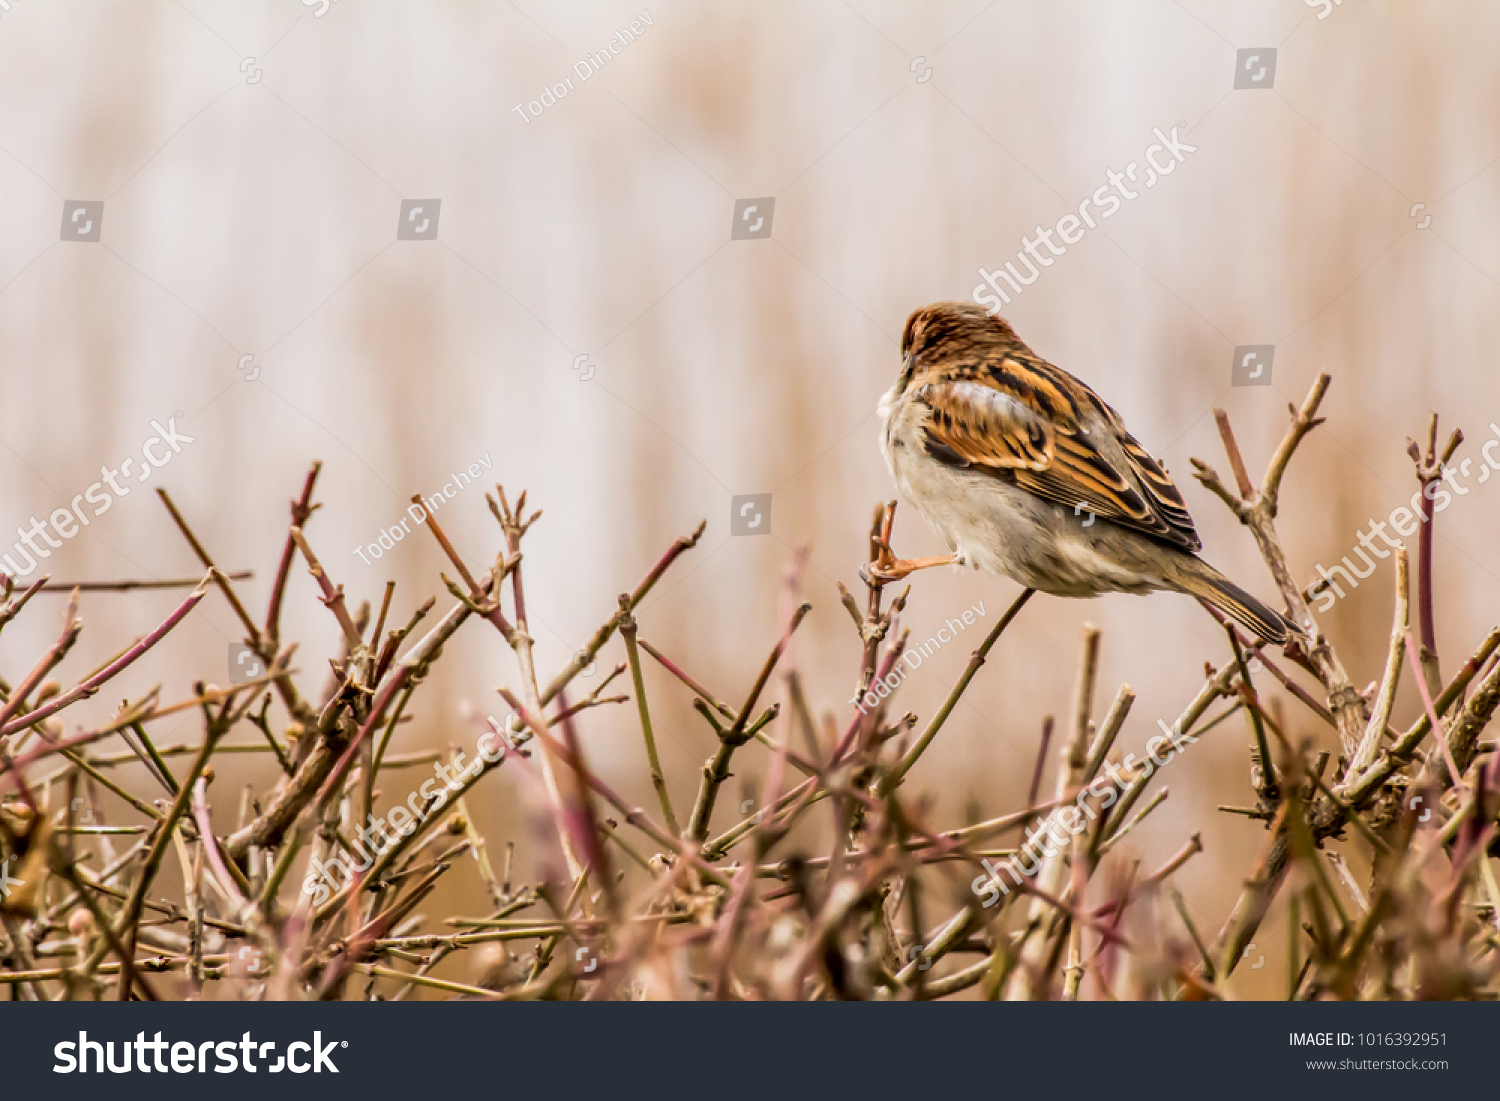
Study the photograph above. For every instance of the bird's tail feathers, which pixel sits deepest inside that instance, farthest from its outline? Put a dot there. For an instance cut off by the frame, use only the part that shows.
(1212, 587)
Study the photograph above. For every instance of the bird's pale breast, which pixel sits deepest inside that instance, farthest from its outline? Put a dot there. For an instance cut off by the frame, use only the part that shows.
(1000, 528)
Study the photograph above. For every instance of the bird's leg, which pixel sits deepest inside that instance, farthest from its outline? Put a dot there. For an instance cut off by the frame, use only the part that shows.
(890, 568)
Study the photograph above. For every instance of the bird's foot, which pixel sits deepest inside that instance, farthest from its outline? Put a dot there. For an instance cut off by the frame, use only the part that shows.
(889, 568)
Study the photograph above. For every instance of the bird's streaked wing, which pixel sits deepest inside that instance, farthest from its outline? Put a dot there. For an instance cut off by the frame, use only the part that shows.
(1022, 420)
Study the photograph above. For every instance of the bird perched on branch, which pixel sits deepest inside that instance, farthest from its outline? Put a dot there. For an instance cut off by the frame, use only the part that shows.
(1024, 471)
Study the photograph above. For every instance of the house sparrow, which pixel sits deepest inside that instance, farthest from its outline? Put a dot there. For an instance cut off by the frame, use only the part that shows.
(1025, 472)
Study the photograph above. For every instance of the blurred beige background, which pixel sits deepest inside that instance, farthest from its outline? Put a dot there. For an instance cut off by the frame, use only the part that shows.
(250, 208)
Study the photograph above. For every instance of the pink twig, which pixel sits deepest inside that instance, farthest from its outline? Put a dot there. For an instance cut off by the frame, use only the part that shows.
(12, 608)
(92, 685)
(1432, 716)
(333, 595)
(211, 845)
(302, 509)
(18, 695)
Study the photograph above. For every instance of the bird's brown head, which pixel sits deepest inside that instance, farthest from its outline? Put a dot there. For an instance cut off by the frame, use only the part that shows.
(948, 328)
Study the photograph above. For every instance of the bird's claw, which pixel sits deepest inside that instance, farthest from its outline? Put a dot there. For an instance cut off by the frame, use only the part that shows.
(882, 573)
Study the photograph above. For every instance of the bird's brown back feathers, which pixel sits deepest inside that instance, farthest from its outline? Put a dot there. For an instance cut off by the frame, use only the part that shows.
(998, 407)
